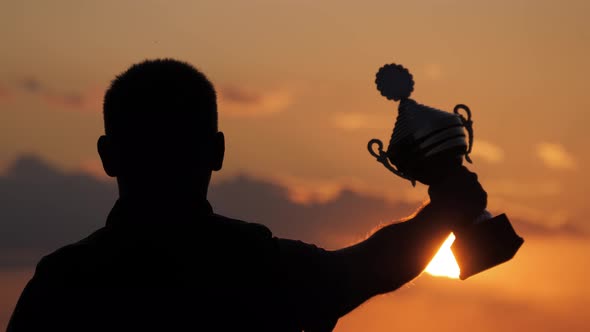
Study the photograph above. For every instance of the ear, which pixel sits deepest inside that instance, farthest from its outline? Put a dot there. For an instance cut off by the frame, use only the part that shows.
(108, 155)
(218, 151)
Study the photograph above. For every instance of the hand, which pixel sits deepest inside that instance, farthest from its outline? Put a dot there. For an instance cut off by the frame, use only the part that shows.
(460, 195)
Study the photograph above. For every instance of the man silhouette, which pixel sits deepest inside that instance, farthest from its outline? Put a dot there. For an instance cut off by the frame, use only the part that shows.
(165, 262)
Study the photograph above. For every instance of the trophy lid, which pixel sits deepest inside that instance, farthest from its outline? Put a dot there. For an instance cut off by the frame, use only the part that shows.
(421, 133)
(428, 130)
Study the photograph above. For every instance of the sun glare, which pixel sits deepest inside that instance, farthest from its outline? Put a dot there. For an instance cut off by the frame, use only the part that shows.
(444, 264)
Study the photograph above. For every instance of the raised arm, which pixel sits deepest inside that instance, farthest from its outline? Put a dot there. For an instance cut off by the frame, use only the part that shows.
(329, 284)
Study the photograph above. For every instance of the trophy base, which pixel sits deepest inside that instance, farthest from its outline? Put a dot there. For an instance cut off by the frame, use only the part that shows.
(484, 245)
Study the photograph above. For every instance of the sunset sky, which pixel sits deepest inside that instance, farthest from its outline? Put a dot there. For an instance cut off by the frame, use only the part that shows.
(298, 104)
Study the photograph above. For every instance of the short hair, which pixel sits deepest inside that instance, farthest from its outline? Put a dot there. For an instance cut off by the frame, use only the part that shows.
(157, 93)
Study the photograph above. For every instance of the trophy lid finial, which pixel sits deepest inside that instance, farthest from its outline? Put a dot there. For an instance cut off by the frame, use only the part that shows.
(394, 82)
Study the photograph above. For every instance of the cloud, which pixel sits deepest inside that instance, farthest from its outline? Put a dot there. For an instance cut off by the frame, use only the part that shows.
(344, 219)
(487, 151)
(89, 100)
(353, 121)
(31, 85)
(555, 156)
(534, 229)
(5, 94)
(519, 198)
(309, 191)
(233, 101)
(241, 96)
(553, 220)
(93, 167)
(43, 208)
(519, 189)
(237, 101)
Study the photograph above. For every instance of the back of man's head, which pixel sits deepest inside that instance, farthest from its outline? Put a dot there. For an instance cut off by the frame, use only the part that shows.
(160, 96)
(160, 117)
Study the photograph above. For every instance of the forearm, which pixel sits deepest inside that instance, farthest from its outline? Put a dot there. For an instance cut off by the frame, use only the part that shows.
(399, 252)
(392, 256)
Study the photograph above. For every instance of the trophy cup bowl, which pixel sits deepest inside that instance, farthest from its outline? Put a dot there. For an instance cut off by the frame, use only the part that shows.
(426, 145)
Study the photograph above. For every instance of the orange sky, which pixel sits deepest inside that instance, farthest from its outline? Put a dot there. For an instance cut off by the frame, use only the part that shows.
(308, 69)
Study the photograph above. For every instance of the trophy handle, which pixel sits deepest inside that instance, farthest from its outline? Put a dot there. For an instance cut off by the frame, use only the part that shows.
(468, 124)
(381, 157)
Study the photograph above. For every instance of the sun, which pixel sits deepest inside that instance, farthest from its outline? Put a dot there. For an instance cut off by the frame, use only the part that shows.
(444, 264)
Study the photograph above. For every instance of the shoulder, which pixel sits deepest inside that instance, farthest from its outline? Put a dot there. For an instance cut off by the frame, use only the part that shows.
(255, 231)
(239, 238)
(242, 227)
(72, 257)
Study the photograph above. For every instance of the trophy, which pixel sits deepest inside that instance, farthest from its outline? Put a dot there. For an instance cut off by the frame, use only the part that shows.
(431, 142)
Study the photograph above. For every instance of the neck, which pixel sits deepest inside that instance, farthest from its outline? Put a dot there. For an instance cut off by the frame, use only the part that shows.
(163, 196)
